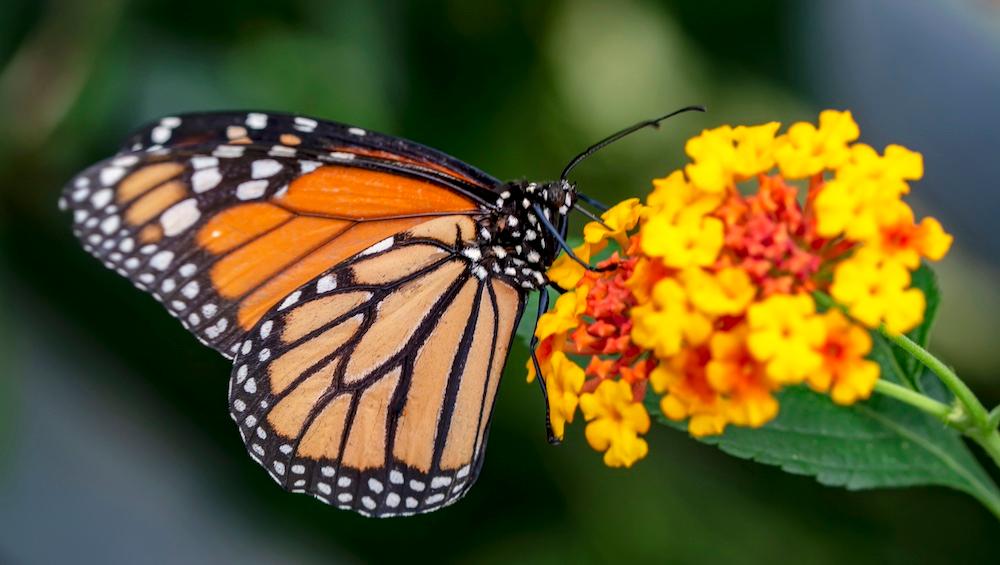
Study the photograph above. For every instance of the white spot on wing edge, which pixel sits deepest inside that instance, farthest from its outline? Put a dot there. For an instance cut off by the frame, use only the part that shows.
(378, 247)
(291, 299)
(326, 284)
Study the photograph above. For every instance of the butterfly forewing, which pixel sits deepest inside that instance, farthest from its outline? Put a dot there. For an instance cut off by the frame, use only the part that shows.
(371, 387)
(219, 233)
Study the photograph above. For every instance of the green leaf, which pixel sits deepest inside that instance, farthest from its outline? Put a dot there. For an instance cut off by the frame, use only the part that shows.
(925, 280)
(874, 444)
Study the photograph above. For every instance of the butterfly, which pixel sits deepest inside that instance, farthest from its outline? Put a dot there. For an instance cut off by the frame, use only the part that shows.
(366, 288)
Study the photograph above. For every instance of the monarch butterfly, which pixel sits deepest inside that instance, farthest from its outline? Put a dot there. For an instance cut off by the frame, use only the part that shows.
(367, 288)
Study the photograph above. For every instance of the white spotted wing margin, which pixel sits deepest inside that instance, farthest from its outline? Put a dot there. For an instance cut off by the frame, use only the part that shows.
(371, 388)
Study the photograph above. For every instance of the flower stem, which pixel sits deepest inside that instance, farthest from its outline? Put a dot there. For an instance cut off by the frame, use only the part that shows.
(927, 404)
(976, 423)
(975, 409)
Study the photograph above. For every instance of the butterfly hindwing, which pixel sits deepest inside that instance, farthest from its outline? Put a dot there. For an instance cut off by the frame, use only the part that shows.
(371, 387)
(219, 229)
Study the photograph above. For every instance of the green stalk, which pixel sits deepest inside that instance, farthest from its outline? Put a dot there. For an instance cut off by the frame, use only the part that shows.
(927, 404)
(976, 423)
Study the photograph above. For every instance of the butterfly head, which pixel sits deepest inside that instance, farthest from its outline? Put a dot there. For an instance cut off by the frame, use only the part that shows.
(518, 243)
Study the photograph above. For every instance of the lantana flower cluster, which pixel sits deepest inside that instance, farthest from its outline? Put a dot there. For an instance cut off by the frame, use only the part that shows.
(706, 291)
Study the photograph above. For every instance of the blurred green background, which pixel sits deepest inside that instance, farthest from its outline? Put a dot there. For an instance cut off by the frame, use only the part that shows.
(115, 442)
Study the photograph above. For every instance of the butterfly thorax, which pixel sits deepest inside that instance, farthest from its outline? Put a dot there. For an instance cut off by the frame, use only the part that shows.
(514, 243)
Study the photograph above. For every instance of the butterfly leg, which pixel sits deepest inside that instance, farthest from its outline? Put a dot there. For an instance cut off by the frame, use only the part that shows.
(543, 305)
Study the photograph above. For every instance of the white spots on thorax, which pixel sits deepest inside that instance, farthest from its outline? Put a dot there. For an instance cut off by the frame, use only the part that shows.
(180, 217)
(305, 124)
(326, 284)
(205, 179)
(379, 247)
(512, 221)
(161, 260)
(530, 235)
(102, 198)
(228, 151)
(533, 256)
(264, 168)
(256, 120)
(251, 189)
(290, 300)
(356, 131)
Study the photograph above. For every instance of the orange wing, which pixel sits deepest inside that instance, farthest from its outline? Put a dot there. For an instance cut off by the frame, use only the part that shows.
(220, 233)
(371, 387)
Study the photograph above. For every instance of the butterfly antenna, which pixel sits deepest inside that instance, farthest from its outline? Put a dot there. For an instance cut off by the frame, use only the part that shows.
(654, 123)
(562, 242)
(597, 204)
(592, 217)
